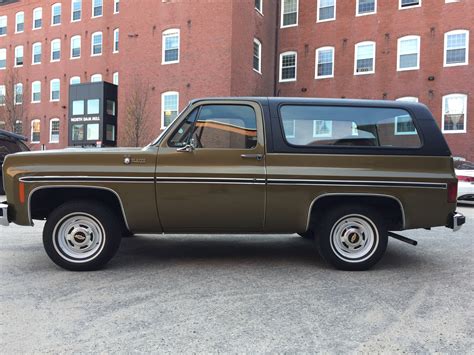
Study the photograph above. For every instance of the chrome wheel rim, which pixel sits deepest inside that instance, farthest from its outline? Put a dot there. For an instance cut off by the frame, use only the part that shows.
(79, 237)
(354, 238)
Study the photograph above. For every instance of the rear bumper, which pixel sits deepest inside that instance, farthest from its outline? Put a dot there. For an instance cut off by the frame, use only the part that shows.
(4, 215)
(455, 221)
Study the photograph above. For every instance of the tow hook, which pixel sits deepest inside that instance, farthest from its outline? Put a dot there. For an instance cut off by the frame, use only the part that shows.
(403, 239)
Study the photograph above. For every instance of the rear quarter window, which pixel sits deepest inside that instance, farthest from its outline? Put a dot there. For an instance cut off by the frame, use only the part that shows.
(311, 125)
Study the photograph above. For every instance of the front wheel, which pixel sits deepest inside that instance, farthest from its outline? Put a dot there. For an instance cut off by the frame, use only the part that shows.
(352, 237)
(82, 235)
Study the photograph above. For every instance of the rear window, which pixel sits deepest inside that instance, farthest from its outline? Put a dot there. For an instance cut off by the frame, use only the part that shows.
(305, 125)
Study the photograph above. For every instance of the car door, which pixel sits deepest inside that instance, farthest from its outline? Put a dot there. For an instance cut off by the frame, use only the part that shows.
(210, 174)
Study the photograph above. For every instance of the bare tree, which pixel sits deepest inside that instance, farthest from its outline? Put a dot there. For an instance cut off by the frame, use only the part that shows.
(137, 127)
(13, 109)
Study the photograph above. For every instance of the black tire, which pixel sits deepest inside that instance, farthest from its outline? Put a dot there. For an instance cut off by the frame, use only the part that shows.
(82, 222)
(352, 238)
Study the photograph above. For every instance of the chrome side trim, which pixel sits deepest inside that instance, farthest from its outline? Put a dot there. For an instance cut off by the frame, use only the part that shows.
(356, 194)
(76, 186)
(54, 178)
(378, 183)
(206, 180)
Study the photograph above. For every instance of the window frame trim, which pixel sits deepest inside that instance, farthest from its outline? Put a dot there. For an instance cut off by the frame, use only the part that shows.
(16, 21)
(60, 13)
(316, 61)
(51, 90)
(56, 40)
(297, 14)
(443, 107)
(6, 25)
(72, 10)
(445, 48)
(33, 18)
(356, 46)
(162, 112)
(101, 44)
(54, 119)
(31, 128)
(92, 9)
(115, 50)
(168, 32)
(33, 53)
(408, 7)
(418, 59)
(257, 41)
(15, 57)
(33, 92)
(71, 47)
(366, 13)
(318, 7)
(260, 11)
(281, 67)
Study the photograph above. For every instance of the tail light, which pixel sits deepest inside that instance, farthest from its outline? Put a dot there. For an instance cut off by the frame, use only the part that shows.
(452, 191)
(466, 178)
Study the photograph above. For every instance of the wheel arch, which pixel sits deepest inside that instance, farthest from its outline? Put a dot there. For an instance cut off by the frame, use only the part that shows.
(37, 209)
(388, 202)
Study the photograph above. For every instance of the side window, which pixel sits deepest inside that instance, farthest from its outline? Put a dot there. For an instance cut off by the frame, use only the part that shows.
(219, 127)
(348, 126)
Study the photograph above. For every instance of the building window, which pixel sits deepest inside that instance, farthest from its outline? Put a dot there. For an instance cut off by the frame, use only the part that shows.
(289, 13)
(3, 58)
(75, 80)
(288, 66)
(36, 53)
(324, 62)
(408, 57)
(76, 10)
(56, 14)
(54, 130)
(18, 127)
(259, 6)
(75, 47)
(116, 40)
(326, 10)
(93, 107)
(364, 58)
(110, 107)
(404, 124)
(35, 131)
(96, 8)
(409, 3)
(37, 18)
(55, 50)
(55, 90)
(169, 107)
(18, 94)
(171, 46)
(456, 48)
(96, 78)
(366, 7)
(322, 128)
(115, 78)
(257, 56)
(77, 107)
(19, 22)
(36, 91)
(96, 44)
(3, 25)
(93, 132)
(454, 113)
(18, 56)
(116, 6)
(2, 95)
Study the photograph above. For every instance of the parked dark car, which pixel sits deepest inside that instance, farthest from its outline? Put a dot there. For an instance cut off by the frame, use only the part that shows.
(9, 143)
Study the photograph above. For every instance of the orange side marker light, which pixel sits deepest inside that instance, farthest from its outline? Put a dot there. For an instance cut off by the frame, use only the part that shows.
(21, 192)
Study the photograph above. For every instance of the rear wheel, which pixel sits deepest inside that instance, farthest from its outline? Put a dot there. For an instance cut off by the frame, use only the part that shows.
(352, 237)
(82, 235)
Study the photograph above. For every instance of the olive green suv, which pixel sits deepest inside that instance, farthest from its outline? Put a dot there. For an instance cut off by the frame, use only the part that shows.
(345, 173)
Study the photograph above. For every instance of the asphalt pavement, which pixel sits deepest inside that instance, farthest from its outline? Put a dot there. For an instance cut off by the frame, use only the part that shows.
(246, 293)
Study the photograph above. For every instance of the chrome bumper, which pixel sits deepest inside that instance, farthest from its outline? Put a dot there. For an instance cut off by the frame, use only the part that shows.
(4, 215)
(456, 220)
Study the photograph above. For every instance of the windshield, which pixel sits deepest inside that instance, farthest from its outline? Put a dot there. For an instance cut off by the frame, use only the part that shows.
(155, 142)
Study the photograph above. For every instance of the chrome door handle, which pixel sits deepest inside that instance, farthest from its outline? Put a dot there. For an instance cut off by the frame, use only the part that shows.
(252, 156)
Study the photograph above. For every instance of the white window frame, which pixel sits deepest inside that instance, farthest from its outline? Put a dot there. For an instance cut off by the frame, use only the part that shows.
(80, 46)
(95, 34)
(259, 10)
(92, 8)
(16, 21)
(51, 130)
(72, 10)
(3, 93)
(54, 41)
(316, 76)
(418, 52)
(464, 96)
(36, 44)
(318, 6)
(31, 135)
(4, 18)
(322, 135)
(281, 67)
(3, 54)
(408, 7)
(33, 92)
(357, 45)
(115, 78)
(167, 93)
(73, 78)
(58, 4)
(35, 11)
(170, 32)
(15, 94)
(54, 81)
(116, 39)
(297, 14)
(115, 6)
(22, 54)
(257, 42)
(365, 13)
(94, 76)
(445, 57)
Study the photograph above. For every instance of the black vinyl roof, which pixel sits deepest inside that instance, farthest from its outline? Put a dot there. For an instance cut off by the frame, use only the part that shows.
(8, 134)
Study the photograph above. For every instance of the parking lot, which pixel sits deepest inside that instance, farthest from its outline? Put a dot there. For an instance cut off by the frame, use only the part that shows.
(241, 294)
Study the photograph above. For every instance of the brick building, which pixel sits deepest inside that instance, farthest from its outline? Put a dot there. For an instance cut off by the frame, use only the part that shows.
(165, 53)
